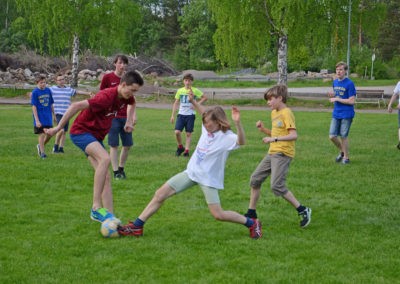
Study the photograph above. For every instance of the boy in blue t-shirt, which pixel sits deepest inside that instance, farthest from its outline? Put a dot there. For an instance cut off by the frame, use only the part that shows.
(43, 112)
(343, 97)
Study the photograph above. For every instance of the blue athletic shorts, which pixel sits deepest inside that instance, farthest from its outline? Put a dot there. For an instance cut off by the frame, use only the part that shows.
(340, 127)
(185, 122)
(58, 118)
(117, 131)
(83, 140)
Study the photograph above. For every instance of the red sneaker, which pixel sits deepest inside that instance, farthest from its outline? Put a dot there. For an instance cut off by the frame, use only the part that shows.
(255, 229)
(130, 230)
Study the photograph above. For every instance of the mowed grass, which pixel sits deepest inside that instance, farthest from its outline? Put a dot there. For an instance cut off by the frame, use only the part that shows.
(48, 237)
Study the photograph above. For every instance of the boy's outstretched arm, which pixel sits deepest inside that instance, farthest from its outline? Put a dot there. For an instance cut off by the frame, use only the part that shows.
(239, 128)
(200, 108)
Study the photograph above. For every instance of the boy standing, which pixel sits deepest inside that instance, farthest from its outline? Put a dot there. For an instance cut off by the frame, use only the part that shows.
(88, 132)
(186, 115)
(117, 128)
(281, 139)
(396, 93)
(343, 97)
(43, 112)
(62, 95)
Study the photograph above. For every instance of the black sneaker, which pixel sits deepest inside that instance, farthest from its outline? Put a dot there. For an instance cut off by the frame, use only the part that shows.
(305, 217)
(122, 174)
(398, 146)
(339, 157)
(117, 176)
(179, 151)
(55, 149)
(186, 154)
(61, 150)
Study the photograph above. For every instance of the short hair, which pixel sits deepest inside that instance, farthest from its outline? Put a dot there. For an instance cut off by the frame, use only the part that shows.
(122, 57)
(218, 115)
(40, 78)
(341, 63)
(277, 91)
(132, 77)
(188, 76)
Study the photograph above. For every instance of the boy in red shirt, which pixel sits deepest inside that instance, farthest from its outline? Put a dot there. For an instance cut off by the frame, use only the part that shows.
(88, 132)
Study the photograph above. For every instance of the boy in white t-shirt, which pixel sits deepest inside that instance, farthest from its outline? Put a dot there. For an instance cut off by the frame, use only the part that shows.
(396, 93)
(206, 168)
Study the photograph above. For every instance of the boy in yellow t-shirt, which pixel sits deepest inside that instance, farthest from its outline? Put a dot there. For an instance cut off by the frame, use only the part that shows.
(281, 139)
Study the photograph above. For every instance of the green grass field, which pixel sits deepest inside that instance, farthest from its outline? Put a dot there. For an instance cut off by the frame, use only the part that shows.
(48, 237)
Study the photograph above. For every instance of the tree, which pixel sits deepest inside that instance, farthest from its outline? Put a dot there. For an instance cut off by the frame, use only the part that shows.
(101, 25)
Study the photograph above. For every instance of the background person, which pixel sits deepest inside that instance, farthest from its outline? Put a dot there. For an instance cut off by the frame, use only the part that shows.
(343, 97)
(186, 114)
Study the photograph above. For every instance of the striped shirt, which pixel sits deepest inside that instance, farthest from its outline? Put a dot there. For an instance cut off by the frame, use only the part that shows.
(62, 98)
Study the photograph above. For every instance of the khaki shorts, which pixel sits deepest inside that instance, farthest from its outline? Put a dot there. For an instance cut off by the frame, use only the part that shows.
(180, 182)
(276, 166)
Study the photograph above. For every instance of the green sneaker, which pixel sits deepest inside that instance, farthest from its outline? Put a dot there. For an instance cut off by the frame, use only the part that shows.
(100, 215)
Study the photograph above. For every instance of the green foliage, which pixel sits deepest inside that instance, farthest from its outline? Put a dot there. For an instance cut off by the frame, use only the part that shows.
(13, 38)
(47, 236)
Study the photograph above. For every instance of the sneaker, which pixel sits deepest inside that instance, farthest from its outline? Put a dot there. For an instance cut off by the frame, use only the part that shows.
(130, 230)
(61, 150)
(179, 151)
(186, 154)
(122, 174)
(305, 217)
(255, 229)
(55, 149)
(398, 146)
(345, 161)
(43, 156)
(38, 150)
(100, 215)
(117, 176)
(339, 158)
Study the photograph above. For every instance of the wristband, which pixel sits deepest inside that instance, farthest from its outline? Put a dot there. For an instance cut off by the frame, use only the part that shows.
(276, 139)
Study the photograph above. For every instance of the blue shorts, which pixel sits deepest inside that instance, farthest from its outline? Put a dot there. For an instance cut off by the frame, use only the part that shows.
(116, 131)
(58, 118)
(185, 122)
(83, 140)
(340, 127)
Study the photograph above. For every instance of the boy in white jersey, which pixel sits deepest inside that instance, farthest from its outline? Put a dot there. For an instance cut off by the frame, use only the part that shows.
(281, 139)
(62, 95)
(186, 115)
(206, 168)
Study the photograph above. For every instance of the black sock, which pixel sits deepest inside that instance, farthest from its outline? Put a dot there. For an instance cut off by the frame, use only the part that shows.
(301, 208)
(251, 213)
(120, 169)
(116, 172)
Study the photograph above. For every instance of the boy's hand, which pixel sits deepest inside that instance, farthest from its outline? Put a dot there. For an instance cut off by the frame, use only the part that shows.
(235, 114)
(260, 125)
(50, 131)
(191, 95)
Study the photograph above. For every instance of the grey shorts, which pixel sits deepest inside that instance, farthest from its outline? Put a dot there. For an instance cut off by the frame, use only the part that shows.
(180, 182)
(276, 166)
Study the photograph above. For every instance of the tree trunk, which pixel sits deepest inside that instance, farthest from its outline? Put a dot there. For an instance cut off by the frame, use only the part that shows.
(282, 59)
(75, 62)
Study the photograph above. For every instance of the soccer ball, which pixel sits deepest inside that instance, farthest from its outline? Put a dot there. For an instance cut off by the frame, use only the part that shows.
(109, 228)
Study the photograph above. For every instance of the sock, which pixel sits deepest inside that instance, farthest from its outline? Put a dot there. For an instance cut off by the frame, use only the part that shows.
(120, 169)
(180, 146)
(249, 222)
(251, 213)
(138, 223)
(186, 150)
(301, 208)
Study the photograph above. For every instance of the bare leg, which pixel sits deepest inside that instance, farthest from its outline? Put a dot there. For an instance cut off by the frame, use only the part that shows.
(102, 192)
(188, 140)
(345, 147)
(226, 216)
(291, 199)
(178, 137)
(254, 196)
(336, 142)
(164, 192)
(114, 158)
(124, 156)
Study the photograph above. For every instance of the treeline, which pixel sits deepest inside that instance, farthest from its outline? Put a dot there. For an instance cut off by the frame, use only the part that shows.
(270, 35)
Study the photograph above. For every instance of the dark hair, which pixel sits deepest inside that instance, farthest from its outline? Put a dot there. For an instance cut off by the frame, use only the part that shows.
(40, 78)
(132, 77)
(123, 58)
(341, 63)
(188, 76)
(277, 91)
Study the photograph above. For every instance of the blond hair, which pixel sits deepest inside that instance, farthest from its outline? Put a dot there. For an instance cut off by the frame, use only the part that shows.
(218, 115)
(277, 91)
